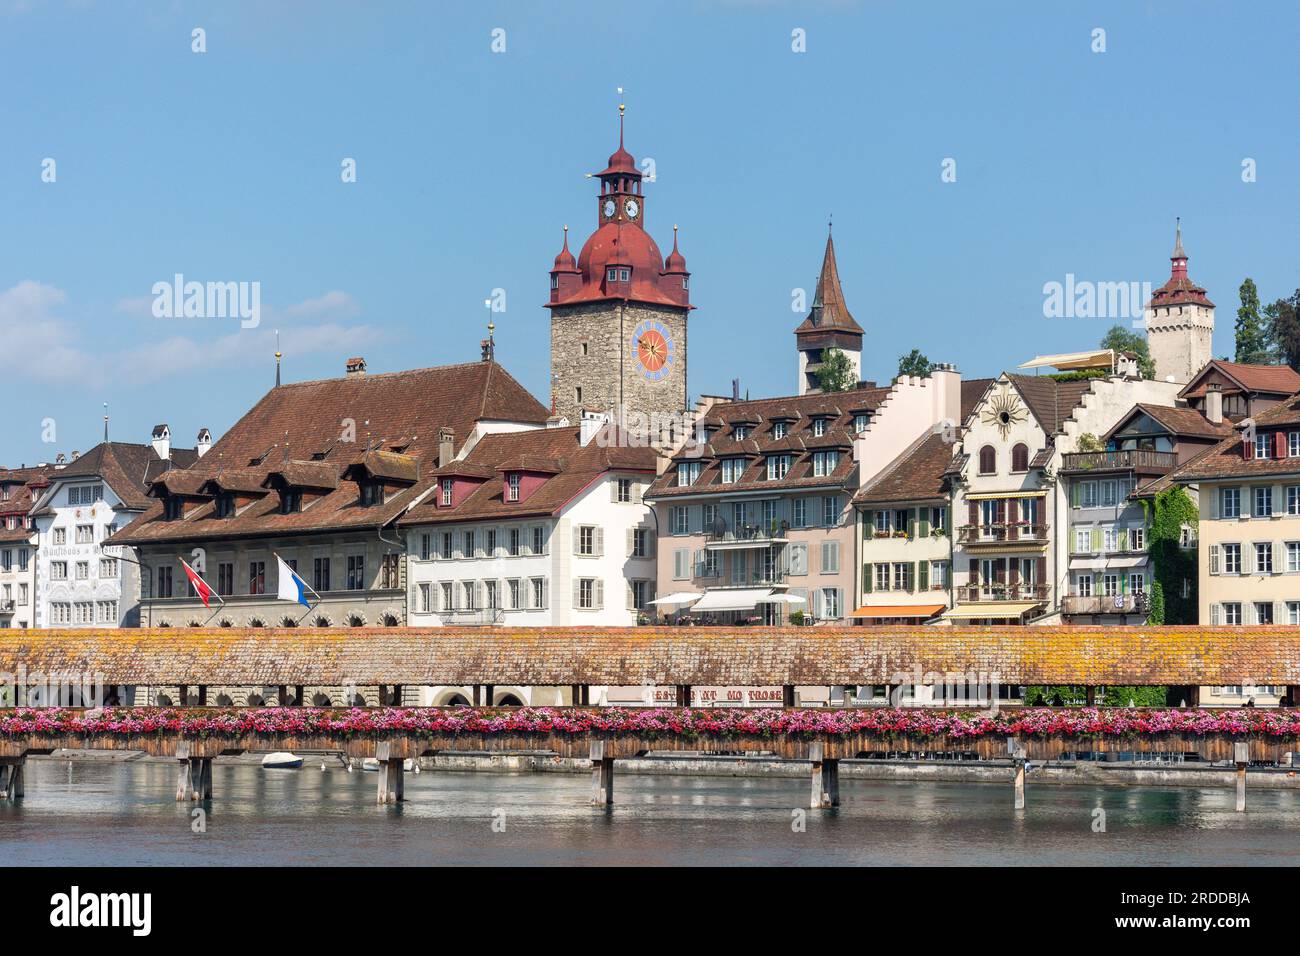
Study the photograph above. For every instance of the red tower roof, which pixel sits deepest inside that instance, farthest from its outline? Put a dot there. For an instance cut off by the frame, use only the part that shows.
(1179, 290)
(620, 260)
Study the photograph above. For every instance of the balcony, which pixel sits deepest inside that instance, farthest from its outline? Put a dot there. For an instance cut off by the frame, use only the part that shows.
(714, 578)
(1002, 534)
(1001, 592)
(472, 617)
(1139, 460)
(6, 607)
(726, 537)
(1100, 604)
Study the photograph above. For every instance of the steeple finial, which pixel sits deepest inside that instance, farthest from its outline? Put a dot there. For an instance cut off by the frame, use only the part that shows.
(621, 108)
(277, 358)
(1178, 239)
(106, 421)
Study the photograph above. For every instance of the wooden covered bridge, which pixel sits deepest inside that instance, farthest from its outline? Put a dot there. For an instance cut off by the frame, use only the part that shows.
(193, 660)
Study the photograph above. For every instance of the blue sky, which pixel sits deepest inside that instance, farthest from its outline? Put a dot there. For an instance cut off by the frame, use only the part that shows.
(225, 166)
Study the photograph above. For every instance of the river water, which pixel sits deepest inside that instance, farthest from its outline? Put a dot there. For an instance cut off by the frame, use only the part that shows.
(86, 812)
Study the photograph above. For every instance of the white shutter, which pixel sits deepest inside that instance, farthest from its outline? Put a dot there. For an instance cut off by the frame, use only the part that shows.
(598, 593)
(651, 543)
(631, 541)
(577, 539)
(817, 602)
(613, 488)
(1214, 559)
(695, 519)
(599, 546)
(577, 593)
(637, 492)
(1215, 495)
(631, 597)
(1216, 614)
(1247, 558)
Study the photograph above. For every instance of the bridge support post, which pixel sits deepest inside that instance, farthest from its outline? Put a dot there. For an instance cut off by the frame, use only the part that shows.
(1019, 757)
(602, 775)
(184, 778)
(825, 778)
(201, 778)
(1241, 756)
(11, 778)
(1090, 696)
(392, 787)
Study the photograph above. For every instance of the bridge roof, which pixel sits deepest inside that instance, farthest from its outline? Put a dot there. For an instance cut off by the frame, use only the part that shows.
(700, 656)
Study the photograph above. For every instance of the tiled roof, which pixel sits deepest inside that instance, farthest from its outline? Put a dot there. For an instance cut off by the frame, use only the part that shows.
(915, 475)
(1224, 460)
(744, 656)
(972, 390)
(554, 451)
(1269, 379)
(830, 313)
(127, 468)
(310, 422)
(1050, 401)
(1183, 422)
(799, 412)
(25, 486)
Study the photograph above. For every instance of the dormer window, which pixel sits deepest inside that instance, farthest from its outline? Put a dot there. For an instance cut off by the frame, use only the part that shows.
(825, 462)
(732, 469)
(618, 274)
(778, 466)
(780, 429)
(512, 486)
(290, 502)
(819, 427)
(740, 432)
(1263, 441)
(172, 509)
(688, 472)
(860, 422)
(372, 493)
(225, 505)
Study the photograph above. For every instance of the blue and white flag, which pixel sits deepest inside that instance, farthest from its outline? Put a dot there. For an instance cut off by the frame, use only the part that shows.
(292, 587)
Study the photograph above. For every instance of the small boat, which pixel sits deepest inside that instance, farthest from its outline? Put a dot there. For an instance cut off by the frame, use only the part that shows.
(281, 760)
(371, 764)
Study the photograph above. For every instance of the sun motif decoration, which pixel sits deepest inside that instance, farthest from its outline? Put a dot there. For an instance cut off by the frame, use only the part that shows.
(1004, 410)
(652, 348)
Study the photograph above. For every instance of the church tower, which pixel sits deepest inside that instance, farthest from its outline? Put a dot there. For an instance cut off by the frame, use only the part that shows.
(829, 325)
(618, 311)
(1180, 322)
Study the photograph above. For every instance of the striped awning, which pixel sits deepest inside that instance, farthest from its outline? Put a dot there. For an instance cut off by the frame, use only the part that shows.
(989, 496)
(998, 609)
(898, 610)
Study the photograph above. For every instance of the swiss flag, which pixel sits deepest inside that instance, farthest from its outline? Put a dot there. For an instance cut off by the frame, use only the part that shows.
(199, 585)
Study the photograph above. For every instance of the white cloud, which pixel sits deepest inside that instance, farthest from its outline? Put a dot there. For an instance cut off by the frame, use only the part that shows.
(52, 343)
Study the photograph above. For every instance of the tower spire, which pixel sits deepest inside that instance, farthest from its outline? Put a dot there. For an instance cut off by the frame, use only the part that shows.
(106, 421)
(277, 358)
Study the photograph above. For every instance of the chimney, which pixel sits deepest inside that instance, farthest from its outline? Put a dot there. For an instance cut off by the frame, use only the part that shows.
(735, 389)
(557, 421)
(1214, 403)
(75, 454)
(356, 367)
(590, 424)
(162, 442)
(204, 442)
(446, 446)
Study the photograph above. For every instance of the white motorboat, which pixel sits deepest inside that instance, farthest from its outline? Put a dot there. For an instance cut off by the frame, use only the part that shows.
(281, 760)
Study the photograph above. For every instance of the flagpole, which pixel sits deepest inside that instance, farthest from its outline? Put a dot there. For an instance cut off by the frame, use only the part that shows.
(303, 580)
(212, 592)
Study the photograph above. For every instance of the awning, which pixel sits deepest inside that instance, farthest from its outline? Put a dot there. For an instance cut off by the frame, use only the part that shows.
(1100, 564)
(735, 599)
(1041, 493)
(678, 597)
(1001, 609)
(783, 599)
(1067, 361)
(898, 610)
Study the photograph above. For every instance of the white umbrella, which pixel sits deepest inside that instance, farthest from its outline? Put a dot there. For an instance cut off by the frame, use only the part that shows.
(783, 599)
(678, 597)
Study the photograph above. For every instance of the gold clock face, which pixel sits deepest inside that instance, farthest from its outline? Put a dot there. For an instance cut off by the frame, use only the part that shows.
(1003, 410)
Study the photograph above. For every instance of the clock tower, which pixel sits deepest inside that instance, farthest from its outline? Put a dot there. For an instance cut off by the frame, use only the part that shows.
(619, 310)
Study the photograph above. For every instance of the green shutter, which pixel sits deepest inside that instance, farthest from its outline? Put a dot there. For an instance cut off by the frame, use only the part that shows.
(866, 578)
(923, 515)
(923, 576)
(1096, 540)
(1074, 494)
(869, 526)
(911, 523)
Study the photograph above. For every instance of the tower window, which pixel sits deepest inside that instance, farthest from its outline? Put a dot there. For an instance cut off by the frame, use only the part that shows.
(617, 274)
(584, 348)
(577, 394)
(555, 282)
(686, 282)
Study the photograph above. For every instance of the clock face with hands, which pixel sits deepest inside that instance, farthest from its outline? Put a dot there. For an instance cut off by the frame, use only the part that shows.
(609, 208)
(632, 208)
(653, 350)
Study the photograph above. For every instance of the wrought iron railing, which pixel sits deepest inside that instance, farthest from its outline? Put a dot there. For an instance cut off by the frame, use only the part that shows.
(1002, 531)
(1003, 592)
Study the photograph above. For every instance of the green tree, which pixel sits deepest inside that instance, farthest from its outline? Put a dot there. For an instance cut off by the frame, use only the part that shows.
(1283, 328)
(915, 363)
(1126, 340)
(1252, 331)
(1173, 567)
(1157, 613)
(836, 373)
(1090, 442)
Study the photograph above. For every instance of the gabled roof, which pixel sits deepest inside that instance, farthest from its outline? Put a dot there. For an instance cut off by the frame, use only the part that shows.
(330, 424)
(126, 467)
(1225, 460)
(1178, 421)
(1266, 379)
(1050, 401)
(830, 313)
(558, 452)
(915, 475)
(25, 487)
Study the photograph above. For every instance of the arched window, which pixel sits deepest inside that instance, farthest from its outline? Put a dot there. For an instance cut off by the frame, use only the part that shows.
(1020, 457)
(988, 460)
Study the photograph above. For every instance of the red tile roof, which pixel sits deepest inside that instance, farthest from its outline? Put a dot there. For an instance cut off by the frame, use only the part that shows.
(1050, 401)
(1225, 460)
(830, 313)
(557, 452)
(309, 423)
(915, 475)
(24, 486)
(1270, 379)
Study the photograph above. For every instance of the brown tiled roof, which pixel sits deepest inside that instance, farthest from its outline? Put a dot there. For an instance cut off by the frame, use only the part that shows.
(972, 390)
(1050, 401)
(915, 475)
(1224, 459)
(1180, 421)
(744, 656)
(829, 312)
(557, 451)
(127, 468)
(800, 411)
(1270, 379)
(25, 487)
(391, 466)
(179, 481)
(305, 474)
(310, 418)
